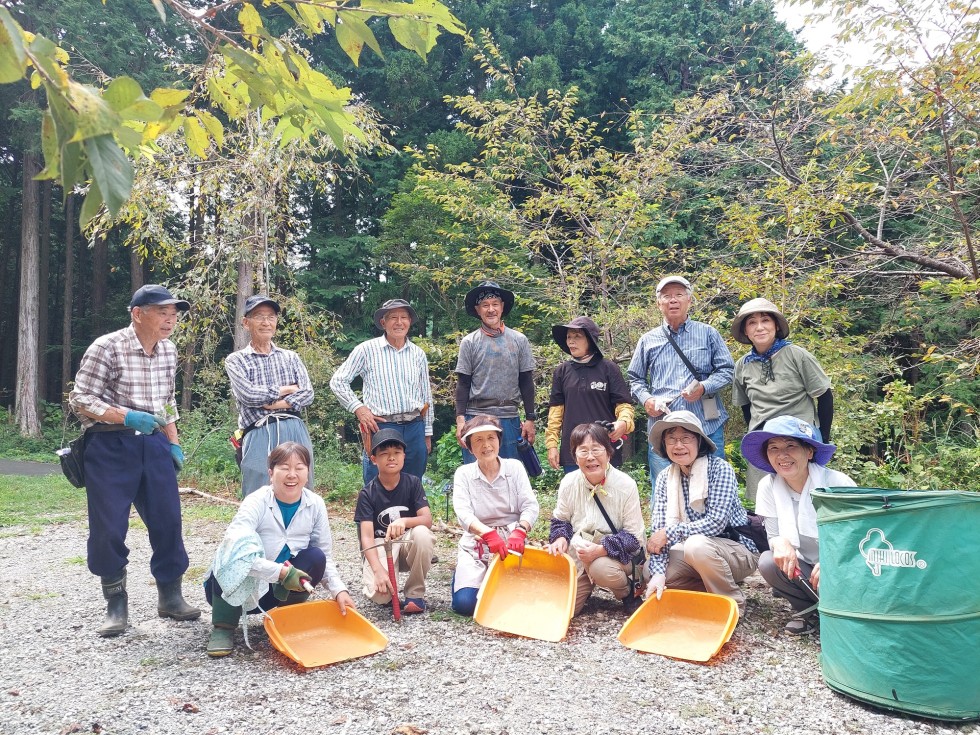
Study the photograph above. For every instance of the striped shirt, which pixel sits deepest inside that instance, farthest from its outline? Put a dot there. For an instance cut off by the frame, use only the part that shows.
(657, 371)
(256, 379)
(116, 372)
(722, 508)
(395, 380)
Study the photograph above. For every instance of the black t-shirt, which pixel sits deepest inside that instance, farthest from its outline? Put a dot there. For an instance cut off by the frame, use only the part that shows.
(589, 392)
(381, 506)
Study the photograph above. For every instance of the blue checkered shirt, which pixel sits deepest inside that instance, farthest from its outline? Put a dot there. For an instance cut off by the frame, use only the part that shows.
(256, 379)
(722, 508)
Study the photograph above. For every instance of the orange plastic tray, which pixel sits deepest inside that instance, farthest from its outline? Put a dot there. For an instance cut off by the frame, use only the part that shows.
(316, 634)
(682, 624)
(534, 599)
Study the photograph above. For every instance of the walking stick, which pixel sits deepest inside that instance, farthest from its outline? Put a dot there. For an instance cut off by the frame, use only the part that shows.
(396, 605)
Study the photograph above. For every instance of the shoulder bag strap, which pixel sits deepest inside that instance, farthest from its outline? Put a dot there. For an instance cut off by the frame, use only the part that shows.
(679, 351)
(605, 515)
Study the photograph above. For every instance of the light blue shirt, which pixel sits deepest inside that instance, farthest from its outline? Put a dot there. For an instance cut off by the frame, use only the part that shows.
(657, 371)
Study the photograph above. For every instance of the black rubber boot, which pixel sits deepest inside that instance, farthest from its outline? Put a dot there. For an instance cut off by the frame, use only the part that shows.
(171, 603)
(117, 607)
(225, 619)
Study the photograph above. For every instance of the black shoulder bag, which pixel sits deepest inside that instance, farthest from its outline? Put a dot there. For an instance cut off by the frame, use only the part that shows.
(636, 582)
(709, 402)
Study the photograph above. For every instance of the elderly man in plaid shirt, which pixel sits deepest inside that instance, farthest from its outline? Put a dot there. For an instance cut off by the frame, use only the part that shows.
(271, 387)
(396, 391)
(124, 396)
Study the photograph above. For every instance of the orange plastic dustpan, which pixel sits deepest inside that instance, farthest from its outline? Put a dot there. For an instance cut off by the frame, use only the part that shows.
(316, 634)
(534, 598)
(682, 624)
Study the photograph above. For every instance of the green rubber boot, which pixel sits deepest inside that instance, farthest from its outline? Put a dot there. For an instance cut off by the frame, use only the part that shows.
(117, 605)
(171, 603)
(225, 619)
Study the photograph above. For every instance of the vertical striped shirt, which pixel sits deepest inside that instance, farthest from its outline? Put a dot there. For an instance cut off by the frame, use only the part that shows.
(256, 379)
(116, 372)
(657, 371)
(395, 380)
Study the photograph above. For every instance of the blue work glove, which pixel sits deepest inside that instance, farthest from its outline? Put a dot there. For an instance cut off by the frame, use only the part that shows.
(177, 455)
(143, 422)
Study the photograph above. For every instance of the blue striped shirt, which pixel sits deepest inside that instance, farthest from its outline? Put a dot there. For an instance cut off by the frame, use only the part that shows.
(722, 508)
(256, 379)
(395, 380)
(657, 371)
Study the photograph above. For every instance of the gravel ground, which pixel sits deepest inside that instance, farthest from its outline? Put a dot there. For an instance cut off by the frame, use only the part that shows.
(439, 674)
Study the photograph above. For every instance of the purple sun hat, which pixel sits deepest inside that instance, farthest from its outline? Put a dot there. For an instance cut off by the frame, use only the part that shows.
(787, 427)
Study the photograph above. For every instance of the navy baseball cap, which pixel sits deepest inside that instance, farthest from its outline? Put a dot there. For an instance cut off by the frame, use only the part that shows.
(386, 436)
(154, 295)
(253, 302)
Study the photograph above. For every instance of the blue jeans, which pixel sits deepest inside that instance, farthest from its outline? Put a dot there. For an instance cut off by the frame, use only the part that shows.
(508, 442)
(413, 434)
(658, 463)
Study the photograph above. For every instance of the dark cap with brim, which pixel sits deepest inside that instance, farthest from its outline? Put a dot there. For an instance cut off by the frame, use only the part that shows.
(559, 333)
(154, 295)
(386, 436)
(391, 305)
(254, 302)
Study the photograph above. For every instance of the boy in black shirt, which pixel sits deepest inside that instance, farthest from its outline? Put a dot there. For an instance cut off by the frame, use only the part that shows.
(393, 507)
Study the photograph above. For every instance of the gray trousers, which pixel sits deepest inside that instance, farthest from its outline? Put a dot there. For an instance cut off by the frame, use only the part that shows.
(711, 564)
(782, 586)
(259, 442)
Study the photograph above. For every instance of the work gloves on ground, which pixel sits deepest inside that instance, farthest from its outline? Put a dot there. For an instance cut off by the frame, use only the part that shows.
(656, 586)
(495, 542)
(293, 581)
(515, 542)
(177, 455)
(143, 422)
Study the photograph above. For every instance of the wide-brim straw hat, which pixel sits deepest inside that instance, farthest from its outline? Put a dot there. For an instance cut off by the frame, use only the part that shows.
(786, 427)
(758, 306)
(473, 296)
(684, 419)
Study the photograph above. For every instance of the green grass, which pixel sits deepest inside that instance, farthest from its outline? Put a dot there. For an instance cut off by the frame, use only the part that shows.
(33, 501)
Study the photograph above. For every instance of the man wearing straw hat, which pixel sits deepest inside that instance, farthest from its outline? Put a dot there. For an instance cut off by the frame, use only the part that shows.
(495, 371)
(271, 387)
(396, 392)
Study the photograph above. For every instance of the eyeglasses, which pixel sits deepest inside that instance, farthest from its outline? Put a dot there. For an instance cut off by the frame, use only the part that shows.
(265, 318)
(587, 452)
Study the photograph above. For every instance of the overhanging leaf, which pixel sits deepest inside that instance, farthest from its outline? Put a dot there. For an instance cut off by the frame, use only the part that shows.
(93, 116)
(111, 169)
(213, 126)
(353, 34)
(90, 206)
(196, 136)
(251, 24)
(50, 148)
(121, 93)
(13, 59)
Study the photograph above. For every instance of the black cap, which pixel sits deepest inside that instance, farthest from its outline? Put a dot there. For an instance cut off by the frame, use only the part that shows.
(386, 436)
(255, 301)
(154, 295)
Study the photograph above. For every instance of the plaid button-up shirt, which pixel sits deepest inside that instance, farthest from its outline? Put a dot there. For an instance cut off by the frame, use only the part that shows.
(116, 372)
(722, 508)
(256, 379)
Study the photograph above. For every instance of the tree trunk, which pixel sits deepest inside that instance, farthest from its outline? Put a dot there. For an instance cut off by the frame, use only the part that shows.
(187, 381)
(100, 280)
(28, 419)
(44, 277)
(246, 277)
(66, 351)
(136, 279)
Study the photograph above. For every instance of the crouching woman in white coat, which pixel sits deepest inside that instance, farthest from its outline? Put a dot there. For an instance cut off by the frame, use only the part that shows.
(278, 543)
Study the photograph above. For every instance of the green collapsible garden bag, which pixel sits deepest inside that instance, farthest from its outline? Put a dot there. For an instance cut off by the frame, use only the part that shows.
(900, 598)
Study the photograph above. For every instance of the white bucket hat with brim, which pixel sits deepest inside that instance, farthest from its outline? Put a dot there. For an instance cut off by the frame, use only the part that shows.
(758, 306)
(683, 419)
